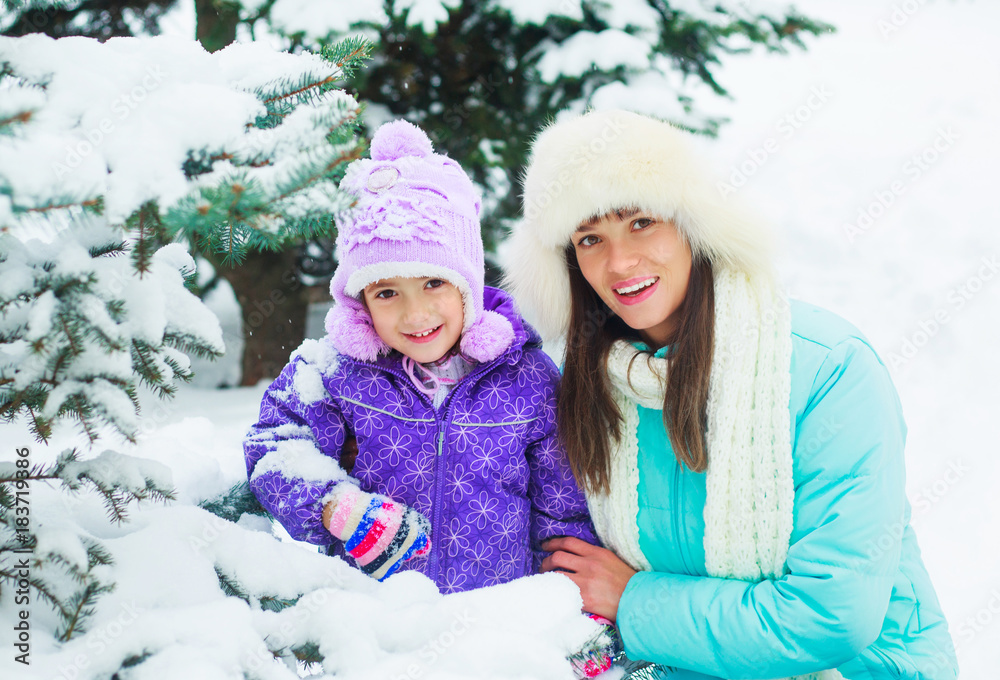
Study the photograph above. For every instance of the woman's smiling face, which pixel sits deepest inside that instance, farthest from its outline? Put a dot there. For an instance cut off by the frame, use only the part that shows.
(640, 266)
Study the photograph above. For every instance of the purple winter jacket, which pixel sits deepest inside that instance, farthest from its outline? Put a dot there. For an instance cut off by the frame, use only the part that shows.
(486, 468)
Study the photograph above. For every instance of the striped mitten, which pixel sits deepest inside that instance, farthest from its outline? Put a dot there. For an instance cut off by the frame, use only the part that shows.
(379, 533)
(598, 654)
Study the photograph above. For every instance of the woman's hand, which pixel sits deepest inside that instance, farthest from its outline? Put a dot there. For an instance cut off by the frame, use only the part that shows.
(599, 574)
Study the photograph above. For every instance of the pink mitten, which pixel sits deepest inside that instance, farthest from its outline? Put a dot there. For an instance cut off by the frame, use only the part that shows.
(379, 533)
(599, 652)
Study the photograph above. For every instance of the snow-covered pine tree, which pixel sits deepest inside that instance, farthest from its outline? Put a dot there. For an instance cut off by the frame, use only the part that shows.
(239, 152)
(226, 152)
(115, 159)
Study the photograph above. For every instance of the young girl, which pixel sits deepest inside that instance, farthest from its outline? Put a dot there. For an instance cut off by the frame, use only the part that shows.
(459, 473)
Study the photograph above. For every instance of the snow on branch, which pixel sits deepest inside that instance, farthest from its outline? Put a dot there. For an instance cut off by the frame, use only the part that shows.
(233, 150)
(80, 328)
(235, 503)
(69, 569)
(119, 479)
(651, 48)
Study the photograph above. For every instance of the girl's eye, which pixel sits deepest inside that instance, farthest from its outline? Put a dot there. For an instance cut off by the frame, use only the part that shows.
(588, 240)
(641, 223)
(434, 283)
(385, 294)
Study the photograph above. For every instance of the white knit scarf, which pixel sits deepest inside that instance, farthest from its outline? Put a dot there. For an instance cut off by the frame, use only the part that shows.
(750, 490)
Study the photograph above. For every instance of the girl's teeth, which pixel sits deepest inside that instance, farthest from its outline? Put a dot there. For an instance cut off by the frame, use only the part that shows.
(638, 286)
(424, 334)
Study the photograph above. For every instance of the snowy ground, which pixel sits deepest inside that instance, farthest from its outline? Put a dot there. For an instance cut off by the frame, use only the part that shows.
(824, 143)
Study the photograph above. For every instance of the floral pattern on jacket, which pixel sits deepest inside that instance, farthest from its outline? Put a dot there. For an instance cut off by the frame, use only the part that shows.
(486, 468)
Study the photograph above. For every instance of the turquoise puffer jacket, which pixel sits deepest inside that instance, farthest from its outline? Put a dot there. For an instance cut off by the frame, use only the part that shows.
(857, 596)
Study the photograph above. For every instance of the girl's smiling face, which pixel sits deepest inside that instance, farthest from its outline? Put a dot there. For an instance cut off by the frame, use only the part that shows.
(639, 265)
(419, 317)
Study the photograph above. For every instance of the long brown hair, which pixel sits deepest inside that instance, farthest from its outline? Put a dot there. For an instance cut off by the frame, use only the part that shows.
(588, 415)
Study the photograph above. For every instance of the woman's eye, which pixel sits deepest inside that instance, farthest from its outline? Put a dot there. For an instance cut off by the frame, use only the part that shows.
(588, 240)
(434, 283)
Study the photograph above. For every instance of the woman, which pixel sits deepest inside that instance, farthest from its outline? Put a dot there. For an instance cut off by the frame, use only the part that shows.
(752, 496)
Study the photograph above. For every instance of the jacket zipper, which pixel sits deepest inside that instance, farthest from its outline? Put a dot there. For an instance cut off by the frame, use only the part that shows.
(463, 386)
(435, 563)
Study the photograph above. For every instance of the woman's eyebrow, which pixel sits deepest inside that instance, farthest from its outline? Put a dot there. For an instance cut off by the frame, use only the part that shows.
(622, 214)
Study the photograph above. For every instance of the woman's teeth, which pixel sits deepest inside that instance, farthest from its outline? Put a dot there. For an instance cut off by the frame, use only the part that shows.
(637, 287)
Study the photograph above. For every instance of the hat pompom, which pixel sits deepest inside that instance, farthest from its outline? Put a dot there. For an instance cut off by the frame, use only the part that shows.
(400, 138)
(488, 337)
(352, 333)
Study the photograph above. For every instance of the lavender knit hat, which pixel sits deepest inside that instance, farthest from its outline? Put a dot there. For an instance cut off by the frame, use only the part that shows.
(417, 215)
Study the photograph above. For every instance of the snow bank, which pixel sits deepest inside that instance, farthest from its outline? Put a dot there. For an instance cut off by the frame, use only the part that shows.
(169, 612)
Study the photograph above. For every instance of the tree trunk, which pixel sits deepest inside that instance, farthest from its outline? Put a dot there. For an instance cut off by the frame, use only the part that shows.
(216, 23)
(274, 305)
(273, 302)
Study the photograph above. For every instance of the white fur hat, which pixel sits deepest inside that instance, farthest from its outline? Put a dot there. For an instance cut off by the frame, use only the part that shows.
(602, 161)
